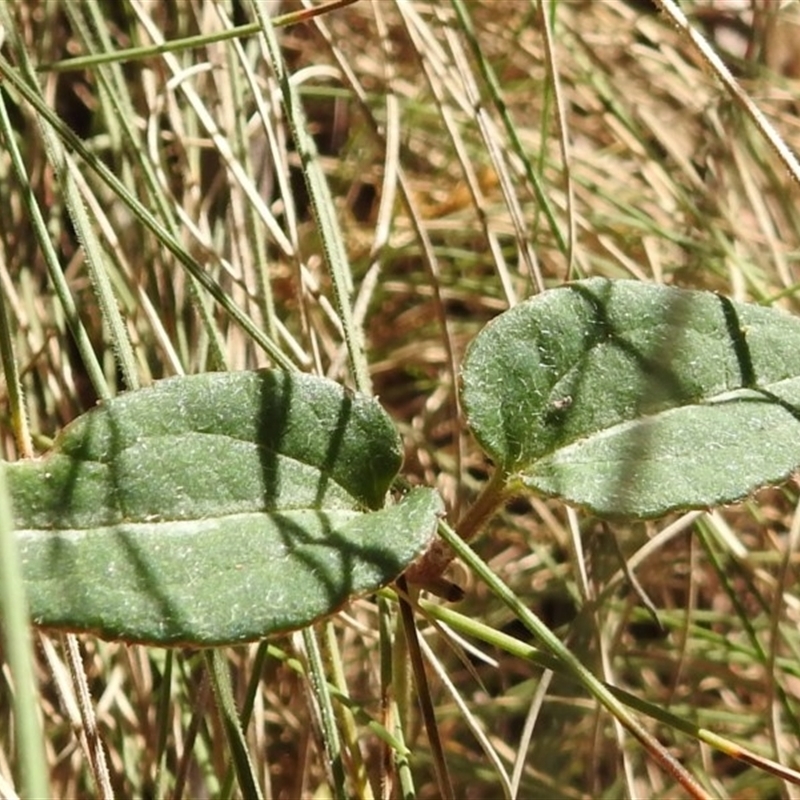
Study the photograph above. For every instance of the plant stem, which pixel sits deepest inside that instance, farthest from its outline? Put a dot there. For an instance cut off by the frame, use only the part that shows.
(427, 572)
(492, 495)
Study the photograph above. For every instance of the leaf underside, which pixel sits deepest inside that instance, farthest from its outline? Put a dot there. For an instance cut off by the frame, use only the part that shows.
(215, 508)
(634, 399)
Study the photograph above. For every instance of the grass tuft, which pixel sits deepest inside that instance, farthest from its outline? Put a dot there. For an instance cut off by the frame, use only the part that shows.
(358, 195)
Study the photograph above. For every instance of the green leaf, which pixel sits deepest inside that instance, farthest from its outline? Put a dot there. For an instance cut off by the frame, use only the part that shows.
(634, 399)
(215, 508)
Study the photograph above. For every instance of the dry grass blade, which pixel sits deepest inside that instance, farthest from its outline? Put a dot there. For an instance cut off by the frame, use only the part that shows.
(472, 158)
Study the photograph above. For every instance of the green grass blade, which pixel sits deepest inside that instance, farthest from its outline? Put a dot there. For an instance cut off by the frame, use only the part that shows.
(17, 644)
(330, 731)
(569, 661)
(218, 669)
(323, 206)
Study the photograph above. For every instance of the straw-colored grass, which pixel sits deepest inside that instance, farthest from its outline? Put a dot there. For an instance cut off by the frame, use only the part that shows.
(474, 155)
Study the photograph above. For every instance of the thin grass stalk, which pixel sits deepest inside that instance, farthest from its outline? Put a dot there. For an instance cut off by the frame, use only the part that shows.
(684, 638)
(192, 266)
(588, 601)
(472, 721)
(432, 67)
(495, 92)
(259, 662)
(321, 696)
(401, 692)
(123, 55)
(411, 636)
(395, 765)
(269, 113)
(741, 156)
(388, 193)
(242, 234)
(219, 673)
(71, 694)
(95, 263)
(775, 640)
(17, 641)
(90, 734)
(391, 158)
(546, 14)
(554, 645)
(388, 706)
(197, 720)
(91, 60)
(163, 725)
(347, 723)
(740, 97)
(323, 208)
(495, 147)
(255, 249)
(11, 373)
(120, 130)
(115, 259)
(55, 273)
(243, 237)
(537, 702)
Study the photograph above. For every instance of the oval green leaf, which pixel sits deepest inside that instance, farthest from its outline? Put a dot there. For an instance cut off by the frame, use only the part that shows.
(215, 508)
(634, 399)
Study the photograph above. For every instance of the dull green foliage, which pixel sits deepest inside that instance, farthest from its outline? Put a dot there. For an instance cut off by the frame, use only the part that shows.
(634, 399)
(215, 508)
